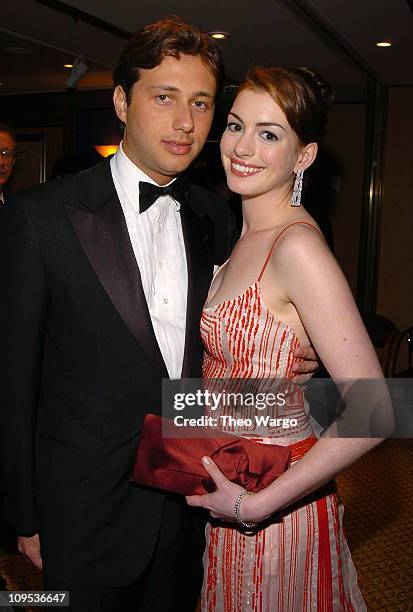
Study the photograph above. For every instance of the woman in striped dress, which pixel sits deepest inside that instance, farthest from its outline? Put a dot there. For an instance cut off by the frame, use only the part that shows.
(283, 548)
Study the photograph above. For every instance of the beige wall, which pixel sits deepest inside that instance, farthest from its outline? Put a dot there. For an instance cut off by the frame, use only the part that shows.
(395, 281)
(345, 139)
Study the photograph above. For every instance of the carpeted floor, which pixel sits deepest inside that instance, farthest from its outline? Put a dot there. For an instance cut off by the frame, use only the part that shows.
(377, 492)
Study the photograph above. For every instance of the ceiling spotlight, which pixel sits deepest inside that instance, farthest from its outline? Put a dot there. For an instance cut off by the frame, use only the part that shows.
(384, 43)
(78, 71)
(220, 35)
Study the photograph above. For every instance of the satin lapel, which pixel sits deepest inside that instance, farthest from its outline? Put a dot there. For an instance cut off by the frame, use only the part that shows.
(199, 257)
(104, 237)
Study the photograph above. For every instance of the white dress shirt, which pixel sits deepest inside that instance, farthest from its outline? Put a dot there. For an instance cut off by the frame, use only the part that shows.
(158, 245)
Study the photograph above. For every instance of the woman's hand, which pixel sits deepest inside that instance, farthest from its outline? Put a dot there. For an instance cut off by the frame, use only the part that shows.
(221, 503)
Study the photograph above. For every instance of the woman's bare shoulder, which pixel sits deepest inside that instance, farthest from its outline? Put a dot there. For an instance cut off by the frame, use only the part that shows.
(301, 238)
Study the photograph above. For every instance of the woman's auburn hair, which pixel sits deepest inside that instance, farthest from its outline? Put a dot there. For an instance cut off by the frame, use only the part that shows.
(303, 96)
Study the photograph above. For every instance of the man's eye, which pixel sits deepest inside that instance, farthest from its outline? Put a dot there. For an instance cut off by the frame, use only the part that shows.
(7, 153)
(234, 127)
(201, 104)
(163, 98)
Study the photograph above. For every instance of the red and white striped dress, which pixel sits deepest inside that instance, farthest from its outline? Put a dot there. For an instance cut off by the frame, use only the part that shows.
(300, 561)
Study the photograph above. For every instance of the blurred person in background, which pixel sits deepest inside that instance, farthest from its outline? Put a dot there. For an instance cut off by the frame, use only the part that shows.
(7, 157)
(7, 160)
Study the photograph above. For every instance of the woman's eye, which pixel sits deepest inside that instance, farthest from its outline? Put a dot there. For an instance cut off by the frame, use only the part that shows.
(234, 127)
(270, 136)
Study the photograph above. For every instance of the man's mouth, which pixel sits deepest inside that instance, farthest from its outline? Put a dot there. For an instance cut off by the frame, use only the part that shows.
(178, 147)
(242, 169)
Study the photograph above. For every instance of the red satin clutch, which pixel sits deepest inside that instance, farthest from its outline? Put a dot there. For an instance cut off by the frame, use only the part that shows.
(174, 463)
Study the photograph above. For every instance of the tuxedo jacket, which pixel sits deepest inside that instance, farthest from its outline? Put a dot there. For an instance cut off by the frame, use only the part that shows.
(80, 367)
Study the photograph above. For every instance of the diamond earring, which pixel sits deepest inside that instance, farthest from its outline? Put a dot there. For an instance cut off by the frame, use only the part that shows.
(298, 187)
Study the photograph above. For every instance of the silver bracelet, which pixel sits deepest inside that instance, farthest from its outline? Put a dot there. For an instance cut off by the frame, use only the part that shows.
(237, 507)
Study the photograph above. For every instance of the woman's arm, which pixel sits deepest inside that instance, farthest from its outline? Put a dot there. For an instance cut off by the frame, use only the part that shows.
(312, 280)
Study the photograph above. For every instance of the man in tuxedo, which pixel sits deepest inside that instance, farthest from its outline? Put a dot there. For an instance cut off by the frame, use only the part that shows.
(104, 278)
(7, 157)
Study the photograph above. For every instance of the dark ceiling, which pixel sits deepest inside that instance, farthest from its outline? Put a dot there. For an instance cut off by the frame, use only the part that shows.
(335, 37)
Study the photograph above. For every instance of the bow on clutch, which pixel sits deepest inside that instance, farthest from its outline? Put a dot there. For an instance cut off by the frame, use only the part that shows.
(175, 463)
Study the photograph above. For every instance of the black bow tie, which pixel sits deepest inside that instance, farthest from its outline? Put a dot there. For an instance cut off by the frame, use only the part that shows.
(148, 193)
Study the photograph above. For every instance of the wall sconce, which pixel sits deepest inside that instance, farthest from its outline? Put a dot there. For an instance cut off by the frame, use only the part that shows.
(106, 150)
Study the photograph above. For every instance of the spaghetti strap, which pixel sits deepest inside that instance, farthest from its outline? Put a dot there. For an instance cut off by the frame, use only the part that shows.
(273, 244)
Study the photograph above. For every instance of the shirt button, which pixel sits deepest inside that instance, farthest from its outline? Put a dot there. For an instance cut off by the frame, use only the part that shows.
(161, 264)
(160, 226)
(166, 301)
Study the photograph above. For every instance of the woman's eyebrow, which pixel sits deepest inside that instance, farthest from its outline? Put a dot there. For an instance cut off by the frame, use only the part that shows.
(261, 123)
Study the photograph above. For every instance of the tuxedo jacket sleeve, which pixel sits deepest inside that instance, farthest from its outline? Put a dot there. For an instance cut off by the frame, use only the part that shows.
(80, 366)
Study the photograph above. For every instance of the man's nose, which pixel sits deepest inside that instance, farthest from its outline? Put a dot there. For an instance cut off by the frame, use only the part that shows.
(183, 119)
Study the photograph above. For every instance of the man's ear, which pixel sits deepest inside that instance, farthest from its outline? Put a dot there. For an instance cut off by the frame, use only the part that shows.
(306, 156)
(120, 103)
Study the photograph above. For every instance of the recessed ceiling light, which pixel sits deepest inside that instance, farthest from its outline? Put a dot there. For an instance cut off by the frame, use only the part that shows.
(384, 43)
(68, 65)
(220, 35)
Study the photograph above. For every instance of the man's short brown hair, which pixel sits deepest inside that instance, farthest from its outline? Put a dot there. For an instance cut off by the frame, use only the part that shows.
(171, 36)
